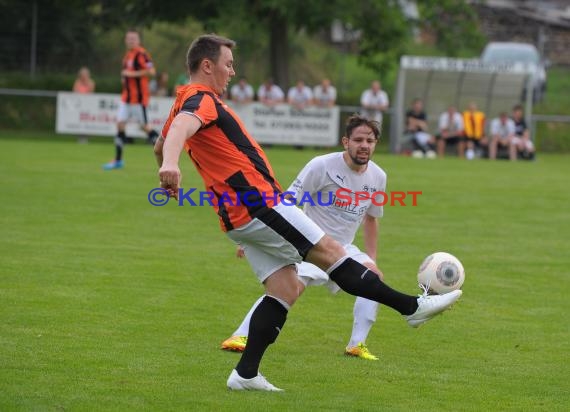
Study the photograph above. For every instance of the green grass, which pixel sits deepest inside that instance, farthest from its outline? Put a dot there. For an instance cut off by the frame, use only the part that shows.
(109, 303)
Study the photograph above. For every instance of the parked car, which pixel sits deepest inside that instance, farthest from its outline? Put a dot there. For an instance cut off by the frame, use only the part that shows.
(509, 52)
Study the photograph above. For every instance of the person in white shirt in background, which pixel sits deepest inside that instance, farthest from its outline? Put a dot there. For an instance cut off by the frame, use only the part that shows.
(270, 94)
(374, 102)
(502, 135)
(242, 92)
(324, 94)
(300, 95)
(450, 128)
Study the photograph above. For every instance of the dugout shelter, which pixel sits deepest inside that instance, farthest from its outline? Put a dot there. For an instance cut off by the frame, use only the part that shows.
(441, 82)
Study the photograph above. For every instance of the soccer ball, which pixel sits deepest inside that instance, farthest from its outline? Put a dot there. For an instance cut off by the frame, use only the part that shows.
(441, 273)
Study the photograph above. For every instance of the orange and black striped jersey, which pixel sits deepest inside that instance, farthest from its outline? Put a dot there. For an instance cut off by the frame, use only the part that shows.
(136, 89)
(232, 164)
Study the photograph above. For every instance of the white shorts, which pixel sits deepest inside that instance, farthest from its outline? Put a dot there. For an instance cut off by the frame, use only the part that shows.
(135, 112)
(311, 275)
(528, 145)
(281, 237)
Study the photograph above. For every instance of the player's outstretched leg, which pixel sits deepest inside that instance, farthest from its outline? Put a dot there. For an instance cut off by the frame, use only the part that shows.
(430, 306)
(358, 280)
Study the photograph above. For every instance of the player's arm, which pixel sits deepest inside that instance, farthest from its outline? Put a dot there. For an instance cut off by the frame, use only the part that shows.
(370, 234)
(158, 145)
(182, 128)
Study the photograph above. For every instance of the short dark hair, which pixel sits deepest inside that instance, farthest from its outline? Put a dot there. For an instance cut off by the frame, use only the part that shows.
(517, 107)
(357, 120)
(206, 46)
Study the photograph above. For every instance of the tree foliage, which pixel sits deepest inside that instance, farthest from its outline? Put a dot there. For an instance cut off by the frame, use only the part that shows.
(67, 29)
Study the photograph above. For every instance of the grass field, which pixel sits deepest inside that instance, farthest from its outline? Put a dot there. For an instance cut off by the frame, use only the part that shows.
(108, 303)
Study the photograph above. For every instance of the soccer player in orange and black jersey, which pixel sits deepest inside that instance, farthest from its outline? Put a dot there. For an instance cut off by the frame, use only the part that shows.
(137, 68)
(241, 167)
(275, 235)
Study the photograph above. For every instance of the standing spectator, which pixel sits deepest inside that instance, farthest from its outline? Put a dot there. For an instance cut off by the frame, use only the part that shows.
(522, 136)
(474, 126)
(270, 94)
(242, 92)
(450, 127)
(84, 83)
(417, 128)
(159, 86)
(300, 95)
(324, 94)
(502, 135)
(374, 102)
(137, 68)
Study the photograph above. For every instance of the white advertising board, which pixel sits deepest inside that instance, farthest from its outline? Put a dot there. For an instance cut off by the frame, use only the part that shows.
(96, 114)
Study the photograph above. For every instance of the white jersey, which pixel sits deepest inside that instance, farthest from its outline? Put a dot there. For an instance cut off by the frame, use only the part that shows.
(369, 97)
(503, 130)
(324, 97)
(321, 178)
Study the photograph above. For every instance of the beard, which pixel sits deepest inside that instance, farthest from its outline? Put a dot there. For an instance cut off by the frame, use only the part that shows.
(359, 161)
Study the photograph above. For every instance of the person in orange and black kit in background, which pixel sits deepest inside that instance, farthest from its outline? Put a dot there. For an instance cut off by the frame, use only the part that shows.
(137, 69)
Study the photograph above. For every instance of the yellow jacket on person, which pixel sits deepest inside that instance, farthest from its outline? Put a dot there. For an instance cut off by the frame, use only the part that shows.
(474, 124)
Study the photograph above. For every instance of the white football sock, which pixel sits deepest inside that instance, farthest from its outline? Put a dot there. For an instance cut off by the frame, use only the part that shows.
(364, 317)
(243, 329)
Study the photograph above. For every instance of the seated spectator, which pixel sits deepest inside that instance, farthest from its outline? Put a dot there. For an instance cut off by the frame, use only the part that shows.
(270, 94)
(450, 128)
(417, 128)
(524, 145)
(324, 94)
(159, 86)
(84, 83)
(242, 92)
(300, 96)
(474, 127)
(502, 135)
(374, 101)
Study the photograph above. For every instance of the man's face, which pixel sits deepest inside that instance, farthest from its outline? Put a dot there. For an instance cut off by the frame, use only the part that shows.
(360, 145)
(223, 70)
(132, 40)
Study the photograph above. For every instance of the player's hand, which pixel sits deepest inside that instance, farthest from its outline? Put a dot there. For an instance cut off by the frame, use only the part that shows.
(126, 73)
(170, 179)
(240, 253)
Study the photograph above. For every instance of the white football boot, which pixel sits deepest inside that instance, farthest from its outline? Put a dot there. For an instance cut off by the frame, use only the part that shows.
(259, 383)
(431, 305)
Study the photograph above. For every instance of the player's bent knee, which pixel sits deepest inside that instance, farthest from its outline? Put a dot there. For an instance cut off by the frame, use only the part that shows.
(325, 253)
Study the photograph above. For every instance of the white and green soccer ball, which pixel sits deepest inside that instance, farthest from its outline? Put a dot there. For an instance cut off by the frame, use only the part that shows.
(441, 273)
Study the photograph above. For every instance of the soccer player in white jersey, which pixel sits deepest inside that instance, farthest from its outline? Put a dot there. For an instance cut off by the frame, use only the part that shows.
(351, 170)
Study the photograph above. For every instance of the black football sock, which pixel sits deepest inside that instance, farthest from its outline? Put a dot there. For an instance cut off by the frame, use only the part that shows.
(119, 143)
(358, 280)
(266, 323)
(152, 135)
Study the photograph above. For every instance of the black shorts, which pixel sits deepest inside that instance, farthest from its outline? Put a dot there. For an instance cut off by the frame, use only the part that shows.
(476, 142)
(451, 139)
